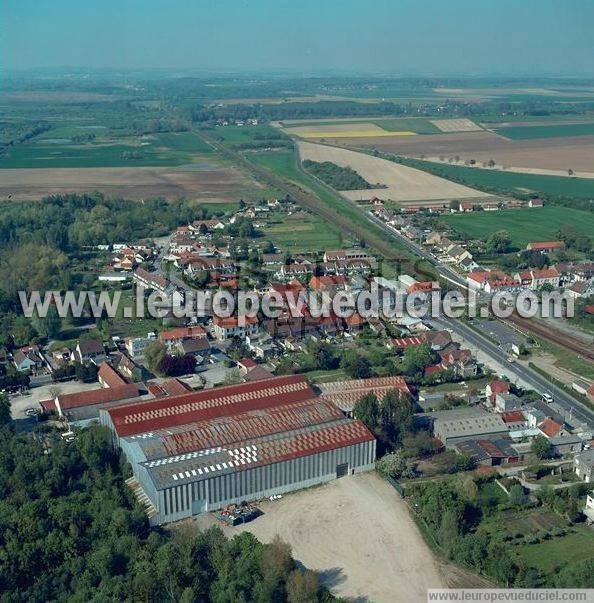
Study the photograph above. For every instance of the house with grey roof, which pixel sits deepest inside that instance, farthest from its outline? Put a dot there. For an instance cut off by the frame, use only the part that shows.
(583, 465)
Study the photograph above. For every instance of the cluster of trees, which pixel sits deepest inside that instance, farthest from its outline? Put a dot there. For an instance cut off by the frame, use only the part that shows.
(339, 178)
(574, 239)
(390, 419)
(499, 242)
(85, 372)
(13, 133)
(165, 364)
(454, 510)
(71, 529)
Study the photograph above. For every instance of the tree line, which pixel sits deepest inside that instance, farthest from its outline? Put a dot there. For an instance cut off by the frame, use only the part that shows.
(71, 530)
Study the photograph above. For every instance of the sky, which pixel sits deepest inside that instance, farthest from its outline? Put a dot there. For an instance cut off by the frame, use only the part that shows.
(399, 37)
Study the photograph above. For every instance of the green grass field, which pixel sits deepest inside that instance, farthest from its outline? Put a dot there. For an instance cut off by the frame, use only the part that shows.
(148, 151)
(552, 131)
(187, 142)
(560, 551)
(234, 135)
(304, 232)
(499, 182)
(524, 225)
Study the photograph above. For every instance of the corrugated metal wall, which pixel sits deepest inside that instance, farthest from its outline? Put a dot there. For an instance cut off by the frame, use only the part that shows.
(189, 499)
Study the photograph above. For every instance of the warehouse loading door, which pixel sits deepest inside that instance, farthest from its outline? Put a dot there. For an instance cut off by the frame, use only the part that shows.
(342, 470)
(198, 506)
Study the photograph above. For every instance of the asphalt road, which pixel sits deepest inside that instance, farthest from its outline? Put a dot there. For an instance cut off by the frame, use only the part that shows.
(534, 379)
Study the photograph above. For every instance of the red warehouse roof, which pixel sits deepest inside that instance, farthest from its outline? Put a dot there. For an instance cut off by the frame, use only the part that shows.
(208, 404)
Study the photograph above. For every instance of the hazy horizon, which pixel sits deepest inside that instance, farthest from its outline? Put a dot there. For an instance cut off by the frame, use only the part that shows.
(403, 38)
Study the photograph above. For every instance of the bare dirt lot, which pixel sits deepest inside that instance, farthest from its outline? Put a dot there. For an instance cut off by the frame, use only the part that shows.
(209, 182)
(402, 183)
(358, 534)
(556, 154)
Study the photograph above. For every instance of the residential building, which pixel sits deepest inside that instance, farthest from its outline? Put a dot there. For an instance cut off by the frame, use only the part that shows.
(28, 359)
(89, 350)
(153, 281)
(135, 346)
(535, 279)
(227, 328)
(496, 387)
(583, 465)
(507, 401)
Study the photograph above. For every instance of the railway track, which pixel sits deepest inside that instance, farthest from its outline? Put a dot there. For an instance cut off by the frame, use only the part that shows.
(381, 242)
(547, 333)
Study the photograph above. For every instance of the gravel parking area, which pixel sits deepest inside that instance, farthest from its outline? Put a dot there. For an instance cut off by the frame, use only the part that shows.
(20, 403)
(355, 531)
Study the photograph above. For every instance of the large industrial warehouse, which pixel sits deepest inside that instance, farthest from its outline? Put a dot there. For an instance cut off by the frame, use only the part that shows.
(204, 450)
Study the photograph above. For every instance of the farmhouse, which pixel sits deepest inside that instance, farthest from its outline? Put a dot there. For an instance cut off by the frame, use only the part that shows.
(201, 451)
(545, 246)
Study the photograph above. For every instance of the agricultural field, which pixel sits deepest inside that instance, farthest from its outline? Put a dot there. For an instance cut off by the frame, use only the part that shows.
(249, 137)
(455, 125)
(142, 151)
(546, 131)
(357, 130)
(211, 181)
(524, 155)
(401, 183)
(375, 128)
(418, 125)
(302, 232)
(506, 182)
(524, 225)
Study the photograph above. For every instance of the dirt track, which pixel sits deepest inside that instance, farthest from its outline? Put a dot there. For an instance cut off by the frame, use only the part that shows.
(209, 182)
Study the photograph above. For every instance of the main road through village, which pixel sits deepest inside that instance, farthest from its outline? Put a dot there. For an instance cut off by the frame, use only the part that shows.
(573, 408)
